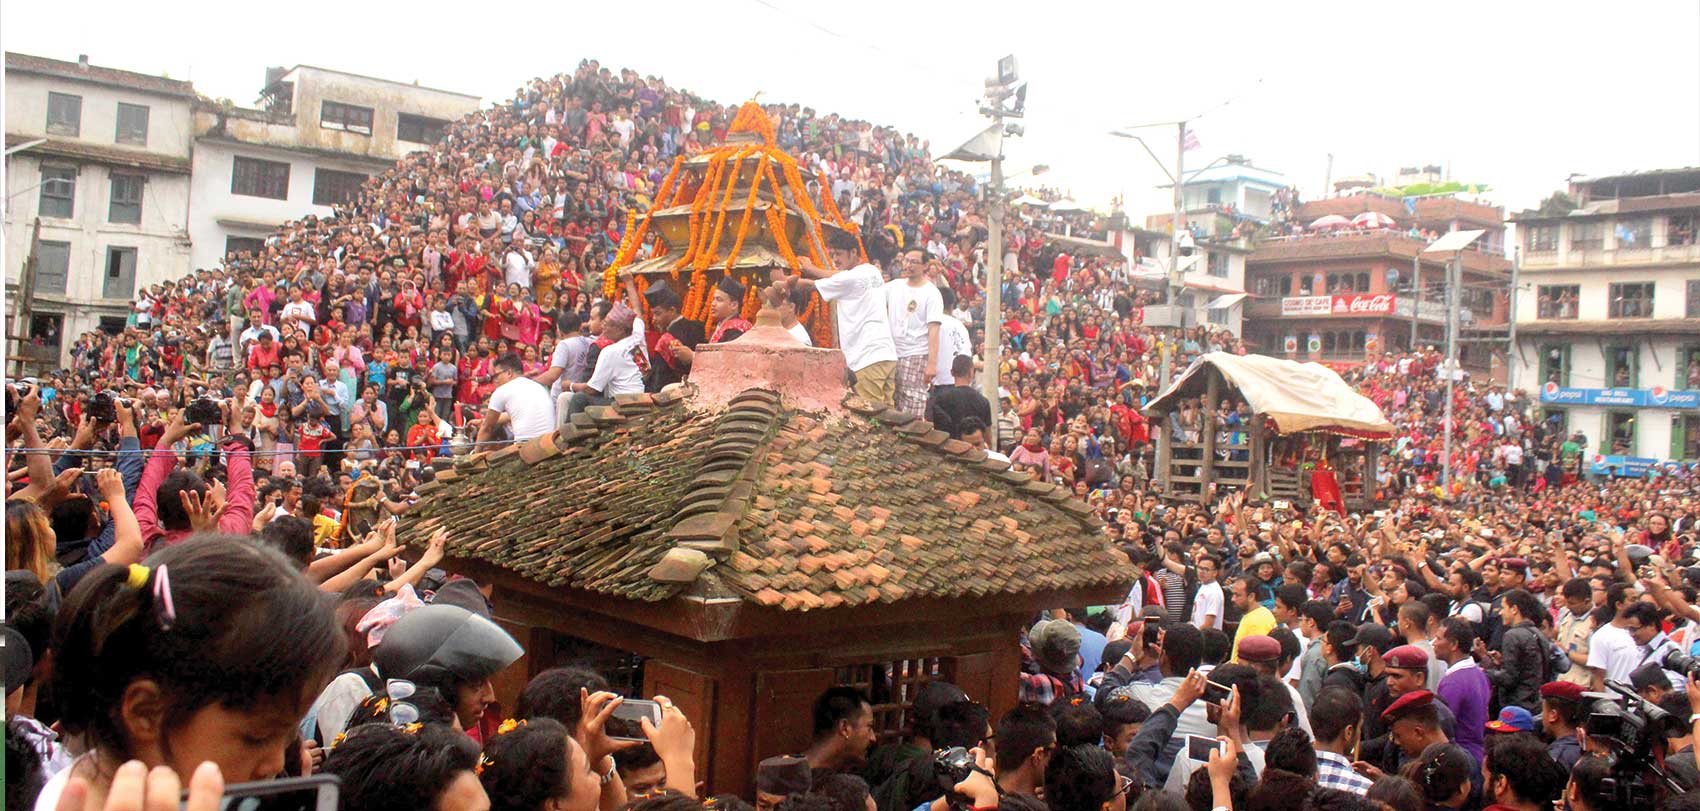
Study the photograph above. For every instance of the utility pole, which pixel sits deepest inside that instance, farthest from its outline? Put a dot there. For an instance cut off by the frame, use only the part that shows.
(1511, 322)
(1416, 295)
(1451, 370)
(1178, 224)
(993, 352)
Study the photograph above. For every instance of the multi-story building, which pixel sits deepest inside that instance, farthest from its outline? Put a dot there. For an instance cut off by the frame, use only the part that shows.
(97, 197)
(1608, 315)
(1344, 296)
(1224, 201)
(314, 137)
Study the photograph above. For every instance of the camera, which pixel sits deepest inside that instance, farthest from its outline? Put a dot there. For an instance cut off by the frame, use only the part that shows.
(103, 406)
(205, 411)
(1627, 726)
(952, 766)
(1678, 661)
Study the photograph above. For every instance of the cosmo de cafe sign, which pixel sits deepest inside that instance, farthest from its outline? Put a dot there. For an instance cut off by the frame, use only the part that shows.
(1655, 397)
(1359, 304)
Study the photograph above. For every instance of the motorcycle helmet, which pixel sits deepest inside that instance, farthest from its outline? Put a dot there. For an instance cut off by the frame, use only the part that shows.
(442, 644)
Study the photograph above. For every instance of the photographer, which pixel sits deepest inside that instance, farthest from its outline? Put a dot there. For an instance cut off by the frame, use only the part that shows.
(172, 504)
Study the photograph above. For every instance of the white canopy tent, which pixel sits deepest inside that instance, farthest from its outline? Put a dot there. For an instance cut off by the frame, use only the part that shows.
(1295, 396)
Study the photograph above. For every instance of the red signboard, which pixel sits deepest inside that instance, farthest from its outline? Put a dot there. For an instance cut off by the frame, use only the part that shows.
(1364, 304)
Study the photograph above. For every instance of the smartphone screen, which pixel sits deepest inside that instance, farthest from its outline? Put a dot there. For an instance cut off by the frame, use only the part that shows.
(1215, 693)
(625, 722)
(1199, 747)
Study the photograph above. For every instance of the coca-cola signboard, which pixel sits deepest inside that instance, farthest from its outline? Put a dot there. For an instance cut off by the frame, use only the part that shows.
(1364, 304)
(1347, 304)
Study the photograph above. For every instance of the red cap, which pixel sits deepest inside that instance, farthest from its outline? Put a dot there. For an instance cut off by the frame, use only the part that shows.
(1406, 657)
(1407, 702)
(1562, 690)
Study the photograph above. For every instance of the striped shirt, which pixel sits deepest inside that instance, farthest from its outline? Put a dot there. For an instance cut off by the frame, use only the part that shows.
(1335, 771)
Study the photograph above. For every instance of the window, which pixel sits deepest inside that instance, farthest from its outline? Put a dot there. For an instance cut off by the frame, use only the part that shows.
(52, 266)
(1586, 236)
(1217, 264)
(1286, 285)
(1620, 366)
(126, 199)
(58, 191)
(1556, 300)
(1543, 238)
(1680, 229)
(120, 282)
(112, 324)
(132, 124)
(1693, 308)
(1688, 367)
(1217, 315)
(258, 178)
(47, 330)
(64, 114)
(1685, 433)
(331, 187)
(335, 115)
(419, 129)
(1620, 433)
(1632, 300)
(1635, 233)
(1555, 364)
(253, 246)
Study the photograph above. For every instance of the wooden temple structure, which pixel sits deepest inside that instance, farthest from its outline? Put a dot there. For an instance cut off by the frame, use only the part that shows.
(1301, 433)
(744, 540)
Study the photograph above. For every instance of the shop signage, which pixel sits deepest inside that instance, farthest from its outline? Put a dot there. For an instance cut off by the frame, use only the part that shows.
(1631, 466)
(1348, 304)
(1655, 397)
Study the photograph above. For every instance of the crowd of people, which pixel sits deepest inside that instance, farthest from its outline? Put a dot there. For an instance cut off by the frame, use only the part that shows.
(232, 463)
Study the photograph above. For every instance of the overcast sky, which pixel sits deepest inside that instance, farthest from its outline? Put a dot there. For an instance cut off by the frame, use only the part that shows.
(1516, 95)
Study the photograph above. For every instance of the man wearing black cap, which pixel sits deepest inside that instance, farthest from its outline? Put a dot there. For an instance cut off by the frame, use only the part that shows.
(779, 778)
(1341, 656)
(676, 338)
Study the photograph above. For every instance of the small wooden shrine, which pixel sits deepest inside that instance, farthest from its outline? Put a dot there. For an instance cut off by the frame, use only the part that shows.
(1303, 433)
(749, 538)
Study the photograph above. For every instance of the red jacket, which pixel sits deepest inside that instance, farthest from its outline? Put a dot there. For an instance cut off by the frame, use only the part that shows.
(237, 520)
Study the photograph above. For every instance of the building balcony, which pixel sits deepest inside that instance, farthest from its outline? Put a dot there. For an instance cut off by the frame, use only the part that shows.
(1574, 259)
(1366, 245)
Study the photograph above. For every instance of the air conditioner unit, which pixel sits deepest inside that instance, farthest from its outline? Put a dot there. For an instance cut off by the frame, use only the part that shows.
(1166, 315)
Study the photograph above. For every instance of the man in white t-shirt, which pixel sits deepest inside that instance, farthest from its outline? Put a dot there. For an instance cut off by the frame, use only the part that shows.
(1208, 603)
(916, 312)
(620, 366)
(528, 409)
(1612, 652)
(859, 301)
(953, 340)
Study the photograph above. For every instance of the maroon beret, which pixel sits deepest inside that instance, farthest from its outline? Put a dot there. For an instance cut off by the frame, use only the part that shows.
(1562, 690)
(1259, 648)
(1407, 702)
(1406, 657)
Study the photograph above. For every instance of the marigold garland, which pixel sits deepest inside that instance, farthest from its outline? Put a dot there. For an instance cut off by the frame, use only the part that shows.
(749, 209)
(776, 225)
(704, 260)
(705, 190)
(752, 302)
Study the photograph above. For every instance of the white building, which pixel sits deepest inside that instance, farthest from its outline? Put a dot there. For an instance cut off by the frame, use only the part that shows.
(1608, 314)
(316, 136)
(104, 169)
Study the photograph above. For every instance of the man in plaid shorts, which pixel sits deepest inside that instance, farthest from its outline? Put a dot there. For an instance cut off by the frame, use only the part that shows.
(915, 310)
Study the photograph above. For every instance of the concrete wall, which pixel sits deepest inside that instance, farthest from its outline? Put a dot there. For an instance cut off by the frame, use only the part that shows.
(215, 213)
(1670, 290)
(26, 113)
(388, 100)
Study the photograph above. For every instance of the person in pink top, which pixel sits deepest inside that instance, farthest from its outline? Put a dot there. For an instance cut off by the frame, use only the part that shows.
(171, 504)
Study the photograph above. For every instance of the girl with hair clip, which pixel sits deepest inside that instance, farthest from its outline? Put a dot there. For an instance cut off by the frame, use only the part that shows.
(1443, 774)
(208, 653)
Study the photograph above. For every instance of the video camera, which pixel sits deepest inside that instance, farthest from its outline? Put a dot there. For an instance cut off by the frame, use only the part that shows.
(1628, 725)
(950, 767)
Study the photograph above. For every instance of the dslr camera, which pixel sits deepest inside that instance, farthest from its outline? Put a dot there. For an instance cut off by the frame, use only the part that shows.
(952, 766)
(103, 406)
(205, 411)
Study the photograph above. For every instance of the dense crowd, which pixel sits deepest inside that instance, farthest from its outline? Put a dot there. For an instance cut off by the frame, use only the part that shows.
(232, 462)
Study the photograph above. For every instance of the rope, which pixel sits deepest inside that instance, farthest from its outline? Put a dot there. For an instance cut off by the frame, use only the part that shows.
(90, 452)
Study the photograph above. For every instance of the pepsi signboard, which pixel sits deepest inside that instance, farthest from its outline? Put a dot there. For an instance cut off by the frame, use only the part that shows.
(1655, 397)
(1629, 466)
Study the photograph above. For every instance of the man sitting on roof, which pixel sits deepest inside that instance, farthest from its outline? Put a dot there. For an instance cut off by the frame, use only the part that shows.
(620, 367)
